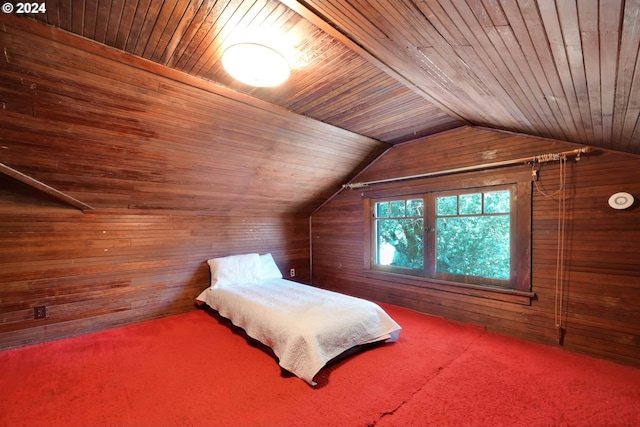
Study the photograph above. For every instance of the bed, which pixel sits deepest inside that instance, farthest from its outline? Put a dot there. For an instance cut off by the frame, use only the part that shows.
(306, 327)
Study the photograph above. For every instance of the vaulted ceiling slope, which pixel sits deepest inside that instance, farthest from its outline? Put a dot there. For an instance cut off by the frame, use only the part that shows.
(395, 70)
(115, 131)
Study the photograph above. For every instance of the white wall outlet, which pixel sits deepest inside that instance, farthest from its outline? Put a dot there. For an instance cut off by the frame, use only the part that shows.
(292, 272)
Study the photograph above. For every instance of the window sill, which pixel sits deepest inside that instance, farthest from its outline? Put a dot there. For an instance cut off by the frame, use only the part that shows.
(500, 294)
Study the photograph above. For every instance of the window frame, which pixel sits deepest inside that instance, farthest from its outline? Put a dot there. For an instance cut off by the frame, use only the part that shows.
(374, 239)
(520, 229)
(433, 234)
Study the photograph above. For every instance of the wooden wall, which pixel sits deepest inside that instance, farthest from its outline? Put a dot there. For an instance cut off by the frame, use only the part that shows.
(602, 268)
(178, 169)
(115, 130)
(109, 268)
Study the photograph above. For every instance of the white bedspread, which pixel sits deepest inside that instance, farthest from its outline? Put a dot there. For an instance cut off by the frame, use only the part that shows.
(305, 326)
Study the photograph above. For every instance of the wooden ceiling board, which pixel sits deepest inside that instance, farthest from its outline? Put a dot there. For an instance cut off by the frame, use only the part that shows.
(116, 131)
(384, 71)
(328, 78)
(559, 69)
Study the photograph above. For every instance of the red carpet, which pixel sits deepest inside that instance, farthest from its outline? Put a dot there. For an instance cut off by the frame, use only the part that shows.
(194, 370)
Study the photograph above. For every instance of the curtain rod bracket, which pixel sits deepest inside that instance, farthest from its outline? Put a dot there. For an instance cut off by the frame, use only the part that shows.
(353, 185)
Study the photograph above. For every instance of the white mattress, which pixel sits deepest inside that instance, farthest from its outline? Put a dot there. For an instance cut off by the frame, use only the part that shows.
(305, 326)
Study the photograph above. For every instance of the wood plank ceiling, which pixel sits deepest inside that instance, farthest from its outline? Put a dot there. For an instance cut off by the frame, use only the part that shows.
(395, 70)
(329, 82)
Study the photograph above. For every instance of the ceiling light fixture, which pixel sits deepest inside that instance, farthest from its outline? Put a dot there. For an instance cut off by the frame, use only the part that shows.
(255, 64)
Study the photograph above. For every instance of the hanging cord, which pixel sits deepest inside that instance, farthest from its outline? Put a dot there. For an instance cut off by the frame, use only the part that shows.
(560, 252)
(560, 192)
(545, 158)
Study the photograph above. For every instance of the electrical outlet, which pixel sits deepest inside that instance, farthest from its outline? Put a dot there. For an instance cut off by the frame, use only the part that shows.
(292, 272)
(39, 312)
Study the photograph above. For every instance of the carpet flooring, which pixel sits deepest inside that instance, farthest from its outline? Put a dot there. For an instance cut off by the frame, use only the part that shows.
(195, 369)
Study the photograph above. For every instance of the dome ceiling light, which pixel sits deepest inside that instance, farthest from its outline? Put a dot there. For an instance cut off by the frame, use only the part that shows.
(255, 64)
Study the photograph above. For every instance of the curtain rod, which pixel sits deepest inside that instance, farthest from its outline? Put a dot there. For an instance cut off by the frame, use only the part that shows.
(550, 157)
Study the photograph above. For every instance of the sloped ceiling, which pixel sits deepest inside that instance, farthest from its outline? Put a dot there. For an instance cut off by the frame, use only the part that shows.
(114, 131)
(379, 72)
(331, 82)
(395, 70)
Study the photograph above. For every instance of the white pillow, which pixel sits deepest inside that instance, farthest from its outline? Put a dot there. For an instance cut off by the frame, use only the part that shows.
(269, 268)
(235, 270)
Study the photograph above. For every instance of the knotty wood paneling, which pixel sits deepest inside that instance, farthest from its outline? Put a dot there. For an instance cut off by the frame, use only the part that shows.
(602, 269)
(104, 269)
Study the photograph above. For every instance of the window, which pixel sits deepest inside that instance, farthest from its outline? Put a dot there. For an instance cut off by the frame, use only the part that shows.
(399, 234)
(474, 236)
